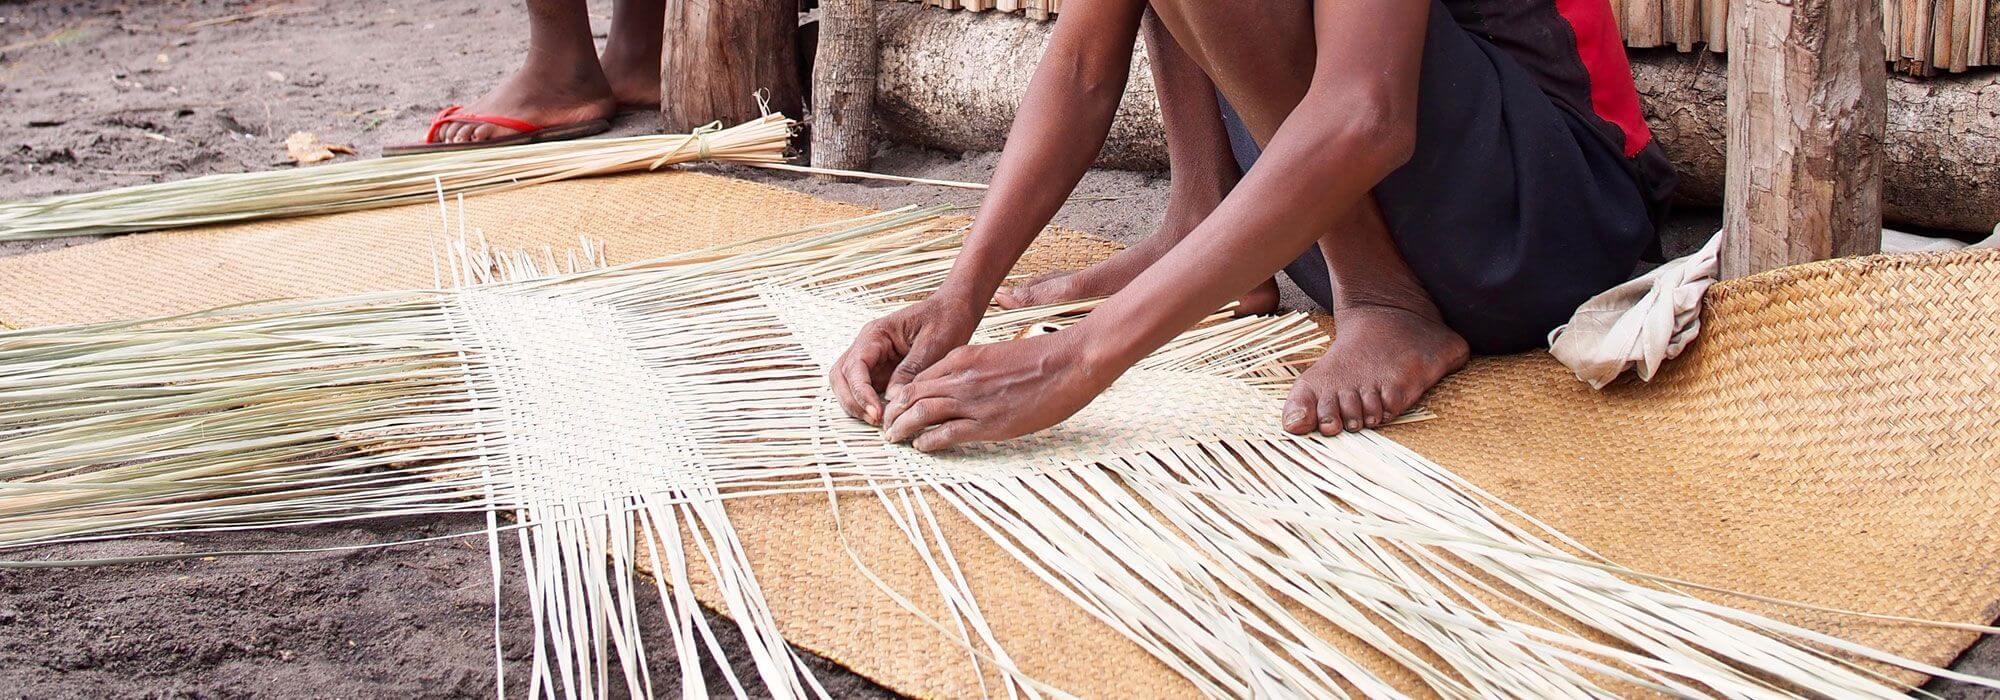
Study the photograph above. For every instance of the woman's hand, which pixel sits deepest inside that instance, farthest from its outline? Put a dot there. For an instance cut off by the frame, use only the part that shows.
(892, 350)
(997, 391)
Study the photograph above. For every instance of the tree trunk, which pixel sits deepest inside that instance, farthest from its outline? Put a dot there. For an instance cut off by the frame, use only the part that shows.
(720, 55)
(951, 80)
(843, 85)
(1807, 103)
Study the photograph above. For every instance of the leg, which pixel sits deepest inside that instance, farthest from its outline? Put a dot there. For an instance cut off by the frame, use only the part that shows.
(1392, 343)
(559, 82)
(1202, 169)
(631, 56)
(1510, 212)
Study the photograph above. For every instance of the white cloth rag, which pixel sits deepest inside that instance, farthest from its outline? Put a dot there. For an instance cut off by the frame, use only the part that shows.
(1644, 322)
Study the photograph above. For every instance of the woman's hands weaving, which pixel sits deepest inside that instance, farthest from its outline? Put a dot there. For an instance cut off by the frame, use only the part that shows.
(892, 350)
(995, 391)
(912, 374)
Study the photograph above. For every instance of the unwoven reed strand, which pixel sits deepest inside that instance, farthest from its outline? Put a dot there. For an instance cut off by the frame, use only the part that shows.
(1222, 554)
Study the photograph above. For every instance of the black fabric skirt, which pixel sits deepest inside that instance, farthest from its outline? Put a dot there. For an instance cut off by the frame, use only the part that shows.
(1511, 211)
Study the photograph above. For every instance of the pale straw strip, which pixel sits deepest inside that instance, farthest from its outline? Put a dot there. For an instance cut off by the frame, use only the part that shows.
(383, 182)
(1172, 510)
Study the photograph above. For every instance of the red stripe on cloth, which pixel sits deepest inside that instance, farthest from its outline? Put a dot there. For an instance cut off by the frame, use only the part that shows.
(1612, 94)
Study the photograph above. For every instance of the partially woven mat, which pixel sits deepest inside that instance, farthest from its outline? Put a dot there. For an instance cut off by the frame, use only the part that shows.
(1830, 440)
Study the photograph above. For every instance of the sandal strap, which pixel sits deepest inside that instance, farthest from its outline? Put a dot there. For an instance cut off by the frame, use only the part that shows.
(452, 114)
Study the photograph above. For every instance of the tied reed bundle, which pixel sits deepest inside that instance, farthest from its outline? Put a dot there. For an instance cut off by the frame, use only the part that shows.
(1171, 510)
(381, 182)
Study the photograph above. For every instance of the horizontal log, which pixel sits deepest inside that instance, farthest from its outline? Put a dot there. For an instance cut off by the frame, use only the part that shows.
(952, 80)
(1940, 158)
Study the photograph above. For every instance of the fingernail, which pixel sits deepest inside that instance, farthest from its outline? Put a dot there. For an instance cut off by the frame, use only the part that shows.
(873, 415)
(1292, 417)
(1353, 424)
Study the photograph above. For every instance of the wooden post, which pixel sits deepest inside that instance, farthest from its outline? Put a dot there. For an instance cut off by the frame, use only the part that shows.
(718, 54)
(1807, 106)
(843, 85)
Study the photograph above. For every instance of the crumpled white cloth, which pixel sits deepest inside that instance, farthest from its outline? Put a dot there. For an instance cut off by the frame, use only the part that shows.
(1644, 322)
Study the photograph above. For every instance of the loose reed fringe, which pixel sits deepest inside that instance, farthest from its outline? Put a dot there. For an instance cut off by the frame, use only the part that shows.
(615, 413)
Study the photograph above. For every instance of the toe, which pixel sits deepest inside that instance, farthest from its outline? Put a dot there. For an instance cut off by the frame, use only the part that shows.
(1298, 417)
(1329, 413)
(1351, 412)
(1371, 407)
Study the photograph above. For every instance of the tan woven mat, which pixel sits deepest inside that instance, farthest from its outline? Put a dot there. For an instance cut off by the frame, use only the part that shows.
(1831, 439)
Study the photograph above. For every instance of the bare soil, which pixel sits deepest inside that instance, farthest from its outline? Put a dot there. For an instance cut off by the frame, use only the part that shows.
(99, 93)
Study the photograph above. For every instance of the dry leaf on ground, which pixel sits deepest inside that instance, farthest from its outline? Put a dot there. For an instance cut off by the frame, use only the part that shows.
(305, 147)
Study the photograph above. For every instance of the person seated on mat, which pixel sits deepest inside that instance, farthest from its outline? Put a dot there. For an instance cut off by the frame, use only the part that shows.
(564, 88)
(1445, 177)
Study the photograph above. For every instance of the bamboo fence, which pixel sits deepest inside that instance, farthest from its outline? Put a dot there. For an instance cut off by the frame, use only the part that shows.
(1920, 36)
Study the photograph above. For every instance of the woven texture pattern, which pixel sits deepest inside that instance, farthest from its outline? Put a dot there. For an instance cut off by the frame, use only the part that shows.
(1830, 438)
(1829, 441)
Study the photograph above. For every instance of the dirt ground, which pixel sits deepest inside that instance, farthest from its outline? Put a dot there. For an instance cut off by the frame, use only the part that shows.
(96, 94)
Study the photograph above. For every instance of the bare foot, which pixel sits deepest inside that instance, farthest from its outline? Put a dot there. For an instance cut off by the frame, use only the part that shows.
(1260, 301)
(1382, 360)
(1106, 278)
(1100, 280)
(538, 95)
(634, 74)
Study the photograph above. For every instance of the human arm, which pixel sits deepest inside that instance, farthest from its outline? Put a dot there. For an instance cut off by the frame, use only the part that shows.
(1354, 125)
(1072, 97)
(1202, 167)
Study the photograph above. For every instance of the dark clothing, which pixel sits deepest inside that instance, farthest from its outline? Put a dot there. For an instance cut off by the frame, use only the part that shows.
(1514, 207)
(1571, 48)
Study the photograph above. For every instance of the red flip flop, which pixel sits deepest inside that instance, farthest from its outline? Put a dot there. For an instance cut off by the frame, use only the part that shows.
(530, 133)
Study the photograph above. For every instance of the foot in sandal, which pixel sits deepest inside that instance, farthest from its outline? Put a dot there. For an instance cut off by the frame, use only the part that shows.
(563, 89)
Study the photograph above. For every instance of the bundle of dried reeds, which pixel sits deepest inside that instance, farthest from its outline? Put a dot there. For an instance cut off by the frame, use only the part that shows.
(382, 182)
(1172, 510)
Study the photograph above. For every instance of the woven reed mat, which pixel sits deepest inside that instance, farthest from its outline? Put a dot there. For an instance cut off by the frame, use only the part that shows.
(1831, 439)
